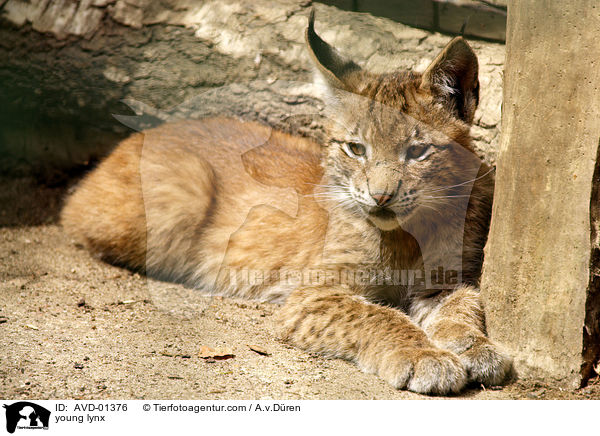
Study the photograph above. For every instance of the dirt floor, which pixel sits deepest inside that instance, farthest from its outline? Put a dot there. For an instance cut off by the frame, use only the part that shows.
(72, 327)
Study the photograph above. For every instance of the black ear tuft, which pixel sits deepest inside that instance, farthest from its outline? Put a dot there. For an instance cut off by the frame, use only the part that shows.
(338, 72)
(453, 78)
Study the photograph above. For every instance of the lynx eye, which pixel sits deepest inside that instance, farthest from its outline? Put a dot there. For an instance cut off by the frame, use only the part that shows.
(357, 149)
(418, 152)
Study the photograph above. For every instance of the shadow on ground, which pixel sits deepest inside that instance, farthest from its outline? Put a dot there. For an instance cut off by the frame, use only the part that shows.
(74, 327)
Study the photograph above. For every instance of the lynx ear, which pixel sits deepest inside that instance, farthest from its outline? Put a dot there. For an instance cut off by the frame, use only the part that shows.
(337, 71)
(452, 77)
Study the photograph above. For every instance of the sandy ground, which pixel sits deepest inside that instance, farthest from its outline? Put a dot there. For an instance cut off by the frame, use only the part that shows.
(73, 327)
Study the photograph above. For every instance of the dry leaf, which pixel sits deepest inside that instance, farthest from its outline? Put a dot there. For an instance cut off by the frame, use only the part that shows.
(218, 354)
(205, 352)
(259, 350)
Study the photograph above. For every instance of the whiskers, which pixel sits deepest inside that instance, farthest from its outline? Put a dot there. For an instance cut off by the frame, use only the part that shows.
(430, 205)
(466, 182)
(339, 196)
(440, 198)
(330, 192)
(445, 201)
(442, 205)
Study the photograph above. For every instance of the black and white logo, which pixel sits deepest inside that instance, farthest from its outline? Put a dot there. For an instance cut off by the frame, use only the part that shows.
(26, 415)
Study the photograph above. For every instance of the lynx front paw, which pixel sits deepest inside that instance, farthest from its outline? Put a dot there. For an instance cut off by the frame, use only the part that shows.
(486, 363)
(426, 371)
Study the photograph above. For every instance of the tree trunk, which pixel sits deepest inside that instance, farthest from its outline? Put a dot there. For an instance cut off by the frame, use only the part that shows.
(542, 257)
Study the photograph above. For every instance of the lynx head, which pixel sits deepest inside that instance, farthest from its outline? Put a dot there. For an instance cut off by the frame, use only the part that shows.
(398, 142)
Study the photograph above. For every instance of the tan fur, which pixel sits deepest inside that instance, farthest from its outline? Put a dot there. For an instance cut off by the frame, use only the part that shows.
(200, 202)
(119, 237)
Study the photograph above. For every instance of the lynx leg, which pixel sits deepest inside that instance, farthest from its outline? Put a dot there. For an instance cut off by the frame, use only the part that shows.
(456, 322)
(378, 339)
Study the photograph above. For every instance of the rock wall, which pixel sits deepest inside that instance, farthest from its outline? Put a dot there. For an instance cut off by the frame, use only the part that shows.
(70, 64)
(480, 18)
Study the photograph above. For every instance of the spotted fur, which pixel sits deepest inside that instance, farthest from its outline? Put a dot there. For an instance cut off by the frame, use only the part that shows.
(396, 188)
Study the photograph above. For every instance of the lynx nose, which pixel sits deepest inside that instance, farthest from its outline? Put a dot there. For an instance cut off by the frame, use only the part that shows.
(382, 199)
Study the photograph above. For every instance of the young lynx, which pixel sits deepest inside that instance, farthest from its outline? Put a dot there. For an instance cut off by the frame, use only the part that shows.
(380, 262)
